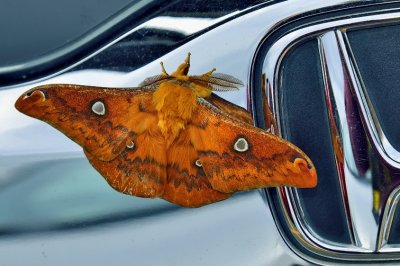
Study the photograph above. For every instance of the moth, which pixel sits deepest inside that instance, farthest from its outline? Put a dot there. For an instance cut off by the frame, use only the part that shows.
(171, 138)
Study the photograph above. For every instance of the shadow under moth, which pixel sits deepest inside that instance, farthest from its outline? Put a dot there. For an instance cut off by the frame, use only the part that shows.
(171, 138)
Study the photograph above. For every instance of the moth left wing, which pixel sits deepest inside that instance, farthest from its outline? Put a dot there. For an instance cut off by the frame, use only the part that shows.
(140, 170)
(236, 156)
(117, 129)
(98, 119)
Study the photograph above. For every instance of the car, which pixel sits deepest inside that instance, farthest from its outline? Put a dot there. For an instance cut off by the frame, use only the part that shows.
(327, 70)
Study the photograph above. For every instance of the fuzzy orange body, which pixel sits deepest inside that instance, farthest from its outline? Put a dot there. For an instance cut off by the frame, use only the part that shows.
(175, 105)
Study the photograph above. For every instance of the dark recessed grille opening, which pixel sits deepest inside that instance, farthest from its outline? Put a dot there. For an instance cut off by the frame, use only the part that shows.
(377, 54)
(305, 123)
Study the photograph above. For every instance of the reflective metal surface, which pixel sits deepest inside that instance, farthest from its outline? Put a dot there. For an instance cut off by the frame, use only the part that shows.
(61, 211)
(67, 214)
(132, 37)
(337, 96)
(366, 163)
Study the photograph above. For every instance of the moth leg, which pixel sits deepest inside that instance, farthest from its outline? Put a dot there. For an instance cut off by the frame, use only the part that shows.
(208, 74)
(163, 71)
(187, 59)
(183, 69)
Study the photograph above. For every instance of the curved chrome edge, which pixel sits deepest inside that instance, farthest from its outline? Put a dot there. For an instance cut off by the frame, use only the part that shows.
(389, 154)
(122, 14)
(106, 26)
(385, 149)
(387, 222)
(334, 91)
(310, 234)
(271, 65)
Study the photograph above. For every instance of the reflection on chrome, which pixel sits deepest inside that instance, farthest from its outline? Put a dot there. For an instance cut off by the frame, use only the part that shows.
(184, 25)
(385, 164)
(367, 165)
(387, 222)
(337, 95)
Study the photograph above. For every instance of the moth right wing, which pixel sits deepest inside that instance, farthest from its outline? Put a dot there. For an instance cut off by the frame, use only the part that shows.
(236, 156)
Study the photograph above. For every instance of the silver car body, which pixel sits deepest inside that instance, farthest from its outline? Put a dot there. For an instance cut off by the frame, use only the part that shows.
(59, 211)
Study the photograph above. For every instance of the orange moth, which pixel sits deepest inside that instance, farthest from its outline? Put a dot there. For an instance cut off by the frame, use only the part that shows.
(171, 138)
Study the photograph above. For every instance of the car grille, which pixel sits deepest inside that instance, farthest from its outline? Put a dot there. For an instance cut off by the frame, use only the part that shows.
(331, 85)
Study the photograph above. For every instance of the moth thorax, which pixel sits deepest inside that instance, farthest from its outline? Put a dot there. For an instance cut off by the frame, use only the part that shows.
(98, 108)
(201, 91)
(241, 145)
(175, 105)
(174, 99)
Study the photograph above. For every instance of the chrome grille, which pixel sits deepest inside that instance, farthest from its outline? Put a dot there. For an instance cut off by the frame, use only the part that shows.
(359, 171)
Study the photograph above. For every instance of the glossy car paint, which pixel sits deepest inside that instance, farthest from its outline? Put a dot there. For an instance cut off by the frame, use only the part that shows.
(66, 212)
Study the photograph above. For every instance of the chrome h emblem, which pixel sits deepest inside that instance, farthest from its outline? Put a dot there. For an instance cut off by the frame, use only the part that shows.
(368, 166)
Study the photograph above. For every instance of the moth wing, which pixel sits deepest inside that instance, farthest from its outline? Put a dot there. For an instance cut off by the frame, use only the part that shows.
(187, 183)
(236, 156)
(121, 139)
(140, 170)
(71, 109)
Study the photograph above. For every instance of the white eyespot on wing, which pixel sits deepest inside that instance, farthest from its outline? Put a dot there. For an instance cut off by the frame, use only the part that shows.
(198, 163)
(241, 145)
(99, 108)
(130, 145)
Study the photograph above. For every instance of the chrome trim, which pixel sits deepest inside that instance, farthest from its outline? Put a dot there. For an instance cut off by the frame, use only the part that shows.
(335, 86)
(253, 27)
(124, 14)
(387, 222)
(331, 41)
(390, 156)
(385, 149)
